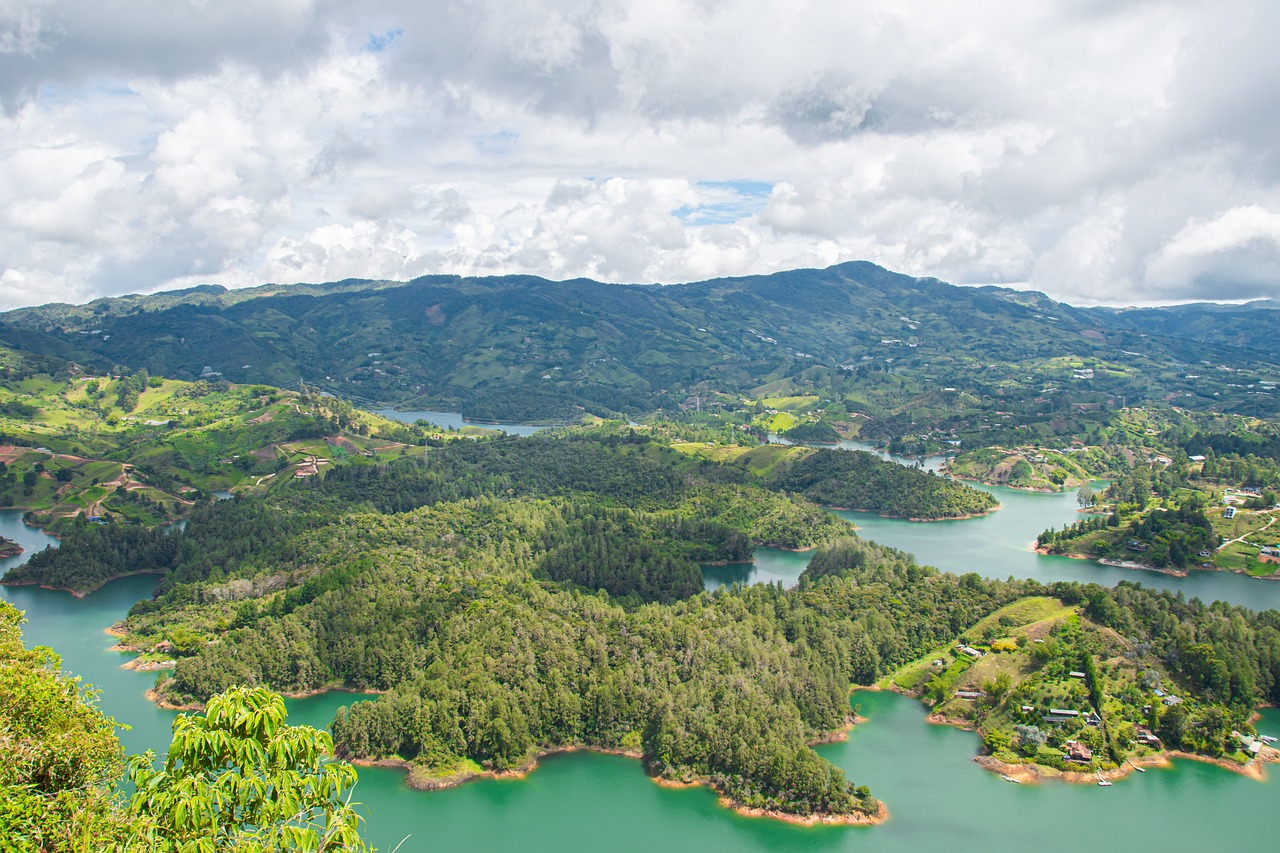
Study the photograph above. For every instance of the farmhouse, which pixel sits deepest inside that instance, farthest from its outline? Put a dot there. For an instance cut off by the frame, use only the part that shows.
(1077, 751)
(1146, 737)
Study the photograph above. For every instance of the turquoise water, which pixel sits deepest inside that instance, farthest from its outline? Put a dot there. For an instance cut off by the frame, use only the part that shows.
(454, 420)
(937, 796)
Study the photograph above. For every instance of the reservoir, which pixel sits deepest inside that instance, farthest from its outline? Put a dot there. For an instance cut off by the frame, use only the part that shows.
(937, 796)
(454, 420)
(999, 545)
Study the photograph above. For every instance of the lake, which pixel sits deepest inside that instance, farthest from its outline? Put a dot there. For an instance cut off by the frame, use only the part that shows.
(999, 545)
(454, 420)
(937, 796)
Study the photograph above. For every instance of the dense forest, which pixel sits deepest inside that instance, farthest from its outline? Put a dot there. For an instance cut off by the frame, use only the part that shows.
(517, 595)
(860, 480)
(475, 617)
(682, 510)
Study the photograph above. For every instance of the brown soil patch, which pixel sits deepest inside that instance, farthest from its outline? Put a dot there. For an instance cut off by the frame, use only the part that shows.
(9, 452)
(345, 443)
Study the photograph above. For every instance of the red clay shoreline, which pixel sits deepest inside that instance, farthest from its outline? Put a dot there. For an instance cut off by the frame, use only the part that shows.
(1034, 773)
(425, 783)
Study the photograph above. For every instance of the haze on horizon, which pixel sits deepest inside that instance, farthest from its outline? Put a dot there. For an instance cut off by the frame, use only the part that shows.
(1103, 152)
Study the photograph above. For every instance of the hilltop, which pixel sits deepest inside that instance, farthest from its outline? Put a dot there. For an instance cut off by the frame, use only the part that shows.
(525, 348)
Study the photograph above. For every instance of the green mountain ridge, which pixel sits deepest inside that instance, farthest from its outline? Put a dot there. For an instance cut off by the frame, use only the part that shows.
(525, 348)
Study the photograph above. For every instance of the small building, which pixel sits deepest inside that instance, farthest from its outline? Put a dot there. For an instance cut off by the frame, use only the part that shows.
(1079, 752)
(1229, 512)
(969, 694)
(1172, 700)
(970, 651)
(1092, 719)
(1075, 673)
(1060, 715)
(1269, 555)
(1146, 737)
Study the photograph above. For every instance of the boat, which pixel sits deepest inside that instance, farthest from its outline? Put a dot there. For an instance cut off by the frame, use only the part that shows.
(1103, 782)
(1006, 777)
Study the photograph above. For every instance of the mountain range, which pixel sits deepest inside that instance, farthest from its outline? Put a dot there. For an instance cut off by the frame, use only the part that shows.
(521, 347)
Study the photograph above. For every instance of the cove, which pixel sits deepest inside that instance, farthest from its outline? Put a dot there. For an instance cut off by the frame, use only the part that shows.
(939, 799)
(1000, 545)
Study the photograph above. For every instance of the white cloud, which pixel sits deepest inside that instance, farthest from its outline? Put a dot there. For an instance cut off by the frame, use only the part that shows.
(1102, 152)
(1233, 255)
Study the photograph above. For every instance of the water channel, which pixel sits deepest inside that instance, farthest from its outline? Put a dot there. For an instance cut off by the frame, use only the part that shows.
(938, 798)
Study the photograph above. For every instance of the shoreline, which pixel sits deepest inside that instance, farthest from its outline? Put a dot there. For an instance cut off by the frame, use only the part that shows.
(1121, 564)
(415, 778)
(82, 593)
(985, 512)
(162, 701)
(1036, 773)
(1031, 489)
(1256, 769)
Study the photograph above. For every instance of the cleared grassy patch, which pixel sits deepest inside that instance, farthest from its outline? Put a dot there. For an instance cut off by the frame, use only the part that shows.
(1022, 614)
(793, 403)
(781, 422)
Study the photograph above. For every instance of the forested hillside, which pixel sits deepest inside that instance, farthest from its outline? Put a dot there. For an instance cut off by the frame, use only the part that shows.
(860, 480)
(442, 607)
(520, 348)
(513, 596)
(638, 507)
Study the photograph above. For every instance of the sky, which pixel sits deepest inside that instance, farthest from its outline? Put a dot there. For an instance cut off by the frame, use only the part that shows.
(1102, 151)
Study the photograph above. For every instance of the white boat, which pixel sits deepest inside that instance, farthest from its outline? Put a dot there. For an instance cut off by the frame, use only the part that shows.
(1009, 778)
(1103, 782)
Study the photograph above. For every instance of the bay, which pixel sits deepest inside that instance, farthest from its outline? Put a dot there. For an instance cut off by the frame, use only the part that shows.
(1000, 545)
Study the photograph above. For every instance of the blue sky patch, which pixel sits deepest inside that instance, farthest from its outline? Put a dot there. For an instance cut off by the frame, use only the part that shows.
(499, 142)
(737, 200)
(379, 43)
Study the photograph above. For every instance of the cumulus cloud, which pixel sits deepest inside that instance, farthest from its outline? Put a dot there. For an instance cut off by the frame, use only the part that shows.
(1102, 152)
(1233, 255)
